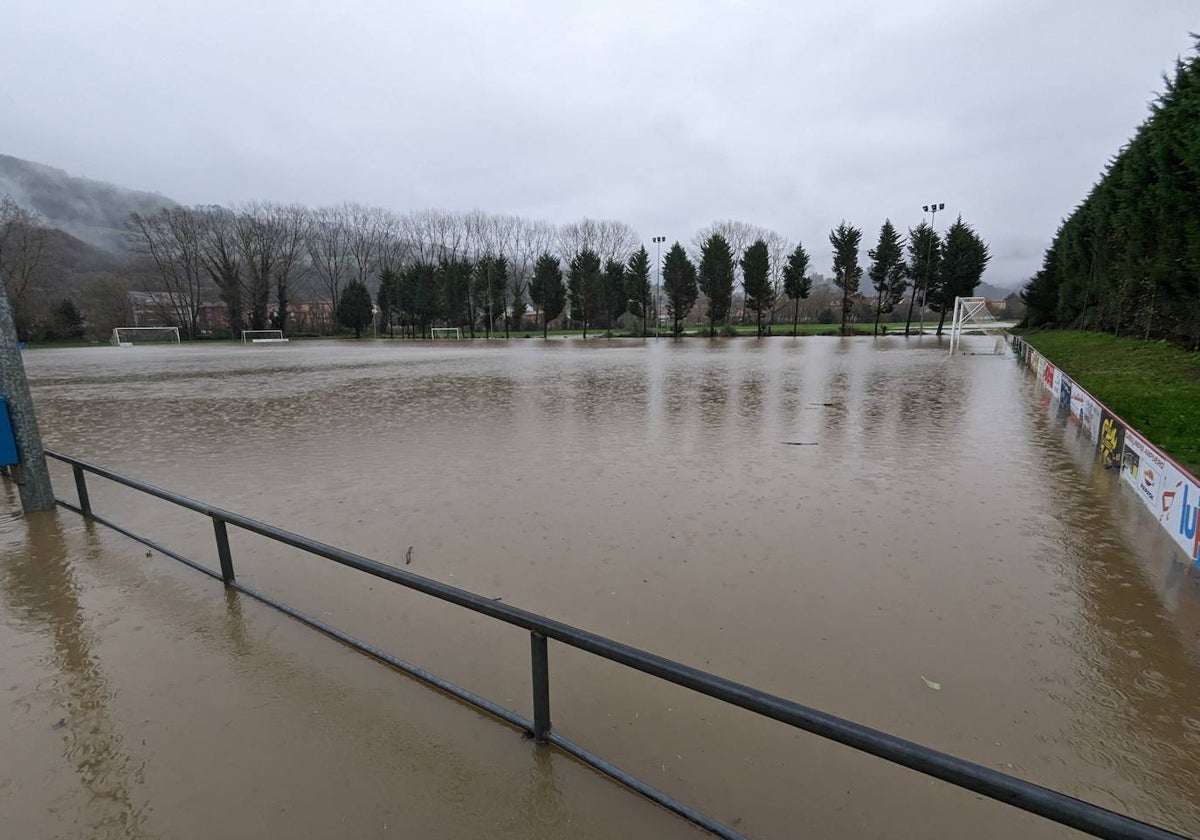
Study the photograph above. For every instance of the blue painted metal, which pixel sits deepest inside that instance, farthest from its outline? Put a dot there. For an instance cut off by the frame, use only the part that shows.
(8, 443)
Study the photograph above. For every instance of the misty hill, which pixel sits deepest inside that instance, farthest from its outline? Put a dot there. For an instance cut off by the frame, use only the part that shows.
(987, 290)
(72, 256)
(91, 211)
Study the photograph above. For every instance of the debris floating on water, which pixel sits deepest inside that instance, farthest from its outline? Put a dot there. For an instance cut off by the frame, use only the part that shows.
(799, 443)
(936, 686)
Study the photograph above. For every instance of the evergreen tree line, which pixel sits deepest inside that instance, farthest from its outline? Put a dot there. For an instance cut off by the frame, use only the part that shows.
(1127, 259)
(596, 293)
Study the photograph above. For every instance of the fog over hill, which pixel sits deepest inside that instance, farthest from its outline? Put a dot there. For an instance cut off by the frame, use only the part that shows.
(93, 211)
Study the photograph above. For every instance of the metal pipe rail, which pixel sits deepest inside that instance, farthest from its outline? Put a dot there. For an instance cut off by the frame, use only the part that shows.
(1057, 807)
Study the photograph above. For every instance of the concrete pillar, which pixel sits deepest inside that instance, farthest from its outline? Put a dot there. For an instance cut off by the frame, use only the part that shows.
(33, 479)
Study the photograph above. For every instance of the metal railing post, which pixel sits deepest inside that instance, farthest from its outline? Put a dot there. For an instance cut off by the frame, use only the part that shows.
(541, 687)
(85, 504)
(222, 535)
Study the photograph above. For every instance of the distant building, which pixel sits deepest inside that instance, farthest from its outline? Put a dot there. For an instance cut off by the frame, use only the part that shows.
(157, 309)
(153, 309)
(213, 318)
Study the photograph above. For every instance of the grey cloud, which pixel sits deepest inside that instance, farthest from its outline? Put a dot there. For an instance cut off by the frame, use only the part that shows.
(667, 116)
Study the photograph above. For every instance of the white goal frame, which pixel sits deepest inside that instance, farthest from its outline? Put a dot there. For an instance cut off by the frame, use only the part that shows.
(972, 311)
(433, 332)
(116, 334)
(275, 337)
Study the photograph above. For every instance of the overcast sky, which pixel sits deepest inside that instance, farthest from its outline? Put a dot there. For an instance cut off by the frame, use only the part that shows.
(664, 115)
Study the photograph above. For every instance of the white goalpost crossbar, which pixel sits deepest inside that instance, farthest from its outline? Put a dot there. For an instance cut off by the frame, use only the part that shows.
(451, 332)
(117, 341)
(262, 336)
(973, 311)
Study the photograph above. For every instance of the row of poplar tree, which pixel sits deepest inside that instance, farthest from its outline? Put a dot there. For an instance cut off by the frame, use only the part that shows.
(1127, 260)
(597, 293)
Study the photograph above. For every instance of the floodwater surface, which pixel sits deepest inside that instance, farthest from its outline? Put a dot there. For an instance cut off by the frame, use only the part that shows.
(920, 543)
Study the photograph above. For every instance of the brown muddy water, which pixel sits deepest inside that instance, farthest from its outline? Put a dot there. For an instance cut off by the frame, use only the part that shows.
(948, 524)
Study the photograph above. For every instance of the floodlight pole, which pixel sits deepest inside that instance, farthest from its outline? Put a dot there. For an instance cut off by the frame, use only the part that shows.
(932, 209)
(658, 241)
(33, 478)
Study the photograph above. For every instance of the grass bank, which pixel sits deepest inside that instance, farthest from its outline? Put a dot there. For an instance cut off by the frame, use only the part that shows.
(1152, 385)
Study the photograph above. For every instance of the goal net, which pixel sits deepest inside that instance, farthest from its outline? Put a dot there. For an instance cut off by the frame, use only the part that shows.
(129, 336)
(445, 332)
(971, 314)
(262, 336)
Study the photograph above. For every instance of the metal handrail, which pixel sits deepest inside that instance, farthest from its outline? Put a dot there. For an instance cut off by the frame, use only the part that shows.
(1053, 805)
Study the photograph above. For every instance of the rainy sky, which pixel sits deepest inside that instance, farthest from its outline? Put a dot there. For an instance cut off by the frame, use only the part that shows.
(663, 115)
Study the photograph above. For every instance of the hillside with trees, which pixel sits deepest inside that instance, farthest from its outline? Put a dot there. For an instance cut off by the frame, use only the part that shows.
(89, 210)
(1127, 259)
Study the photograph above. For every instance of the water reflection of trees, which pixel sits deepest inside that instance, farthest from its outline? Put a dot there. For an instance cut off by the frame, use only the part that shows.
(40, 590)
(751, 392)
(834, 408)
(678, 393)
(930, 411)
(713, 397)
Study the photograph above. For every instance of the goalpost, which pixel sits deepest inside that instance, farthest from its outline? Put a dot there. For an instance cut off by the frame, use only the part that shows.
(262, 336)
(973, 311)
(450, 332)
(128, 336)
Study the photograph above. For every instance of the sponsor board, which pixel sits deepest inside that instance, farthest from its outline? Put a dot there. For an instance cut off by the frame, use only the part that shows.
(1089, 413)
(1143, 468)
(1111, 443)
(1171, 494)
(1076, 402)
(1064, 392)
(1178, 503)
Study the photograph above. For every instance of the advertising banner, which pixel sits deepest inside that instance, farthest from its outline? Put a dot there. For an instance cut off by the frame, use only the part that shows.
(1170, 494)
(1076, 403)
(1178, 503)
(1143, 468)
(1089, 413)
(1111, 444)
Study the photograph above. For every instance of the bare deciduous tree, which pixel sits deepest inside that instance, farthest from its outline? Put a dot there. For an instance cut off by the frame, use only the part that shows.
(257, 237)
(272, 239)
(222, 259)
(294, 226)
(328, 251)
(609, 239)
(170, 240)
(364, 235)
(24, 256)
